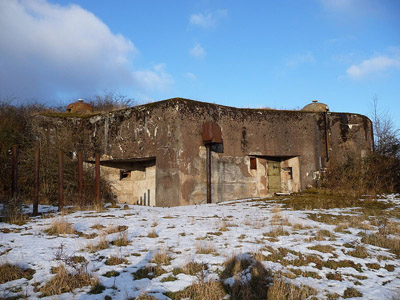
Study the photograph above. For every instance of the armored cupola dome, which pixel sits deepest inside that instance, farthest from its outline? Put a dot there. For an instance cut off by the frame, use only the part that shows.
(79, 107)
(316, 106)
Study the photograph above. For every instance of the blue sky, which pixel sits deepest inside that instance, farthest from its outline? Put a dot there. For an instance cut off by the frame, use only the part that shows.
(279, 54)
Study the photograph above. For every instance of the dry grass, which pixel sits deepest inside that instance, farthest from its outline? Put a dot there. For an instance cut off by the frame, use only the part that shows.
(12, 215)
(101, 244)
(121, 240)
(359, 251)
(251, 279)
(284, 290)
(205, 248)
(97, 226)
(211, 290)
(223, 226)
(323, 199)
(64, 282)
(162, 258)
(144, 297)
(114, 260)
(9, 272)
(322, 248)
(351, 292)
(277, 231)
(152, 234)
(60, 226)
(148, 272)
(380, 240)
(116, 228)
(191, 268)
(299, 226)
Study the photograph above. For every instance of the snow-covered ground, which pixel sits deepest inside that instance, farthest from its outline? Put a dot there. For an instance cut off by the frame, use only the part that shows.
(229, 228)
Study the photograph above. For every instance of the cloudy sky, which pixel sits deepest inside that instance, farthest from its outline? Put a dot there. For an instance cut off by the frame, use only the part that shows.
(279, 54)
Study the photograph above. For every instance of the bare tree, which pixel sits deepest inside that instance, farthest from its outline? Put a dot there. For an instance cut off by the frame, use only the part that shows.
(386, 136)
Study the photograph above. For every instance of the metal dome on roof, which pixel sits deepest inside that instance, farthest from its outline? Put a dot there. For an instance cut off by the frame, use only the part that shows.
(316, 106)
(79, 107)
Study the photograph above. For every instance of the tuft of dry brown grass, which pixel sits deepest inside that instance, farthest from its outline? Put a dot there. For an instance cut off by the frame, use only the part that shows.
(351, 292)
(205, 248)
(143, 297)
(152, 234)
(322, 248)
(121, 240)
(281, 289)
(64, 282)
(223, 226)
(60, 226)
(384, 241)
(114, 260)
(101, 244)
(162, 258)
(246, 287)
(277, 231)
(191, 268)
(116, 228)
(359, 251)
(211, 290)
(9, 272)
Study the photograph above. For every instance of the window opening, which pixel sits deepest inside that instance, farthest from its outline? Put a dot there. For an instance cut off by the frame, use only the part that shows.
(253, 163)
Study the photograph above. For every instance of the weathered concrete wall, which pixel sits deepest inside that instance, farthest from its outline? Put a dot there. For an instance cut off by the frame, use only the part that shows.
(170, 132)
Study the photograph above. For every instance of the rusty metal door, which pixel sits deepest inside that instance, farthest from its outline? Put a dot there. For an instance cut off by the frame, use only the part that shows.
(274, 176)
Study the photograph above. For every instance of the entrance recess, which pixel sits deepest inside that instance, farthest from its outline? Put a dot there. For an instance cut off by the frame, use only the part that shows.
(274, 176)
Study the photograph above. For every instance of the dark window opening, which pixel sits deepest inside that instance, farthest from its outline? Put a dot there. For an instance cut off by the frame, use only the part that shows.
(289, 172)
(253, 163)
(124, 174)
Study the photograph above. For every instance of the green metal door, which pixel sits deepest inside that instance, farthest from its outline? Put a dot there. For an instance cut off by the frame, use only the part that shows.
(274, 176)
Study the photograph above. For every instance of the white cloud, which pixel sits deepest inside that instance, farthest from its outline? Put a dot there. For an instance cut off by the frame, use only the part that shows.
(300, 59)
(372, 66)
(197, 51)
(48, 50)
(207, 20)
(156, 79)
(190, 76)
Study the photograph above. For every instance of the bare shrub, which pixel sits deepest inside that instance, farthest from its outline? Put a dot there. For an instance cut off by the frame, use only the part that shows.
(109, 101)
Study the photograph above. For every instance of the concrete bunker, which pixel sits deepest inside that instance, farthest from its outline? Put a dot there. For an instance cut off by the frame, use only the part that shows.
(179, 151)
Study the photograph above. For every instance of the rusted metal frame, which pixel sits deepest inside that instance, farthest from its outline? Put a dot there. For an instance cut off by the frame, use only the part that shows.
(97, 171)
(35, 210)
(14, 171)
(60, 180)
(208, 166)
(80, 178)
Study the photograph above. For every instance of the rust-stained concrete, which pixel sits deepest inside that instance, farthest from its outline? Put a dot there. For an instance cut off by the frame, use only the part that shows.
(169, 133)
